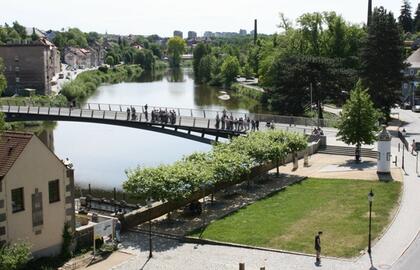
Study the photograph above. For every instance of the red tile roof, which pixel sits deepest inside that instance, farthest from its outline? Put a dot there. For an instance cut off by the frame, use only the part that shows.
(11, 146)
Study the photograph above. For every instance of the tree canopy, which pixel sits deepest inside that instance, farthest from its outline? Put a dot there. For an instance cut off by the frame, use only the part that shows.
(176, 47)
(358, 121)
(383, 59)
(225, 163)
(405, 19)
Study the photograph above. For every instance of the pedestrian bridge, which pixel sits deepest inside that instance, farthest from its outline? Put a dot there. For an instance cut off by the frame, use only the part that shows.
(193, 124)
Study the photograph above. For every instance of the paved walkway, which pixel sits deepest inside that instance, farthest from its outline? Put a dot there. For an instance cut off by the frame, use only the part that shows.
(170, 254)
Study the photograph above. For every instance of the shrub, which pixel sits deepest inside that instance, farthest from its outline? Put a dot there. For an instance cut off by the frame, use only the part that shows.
(14, 256)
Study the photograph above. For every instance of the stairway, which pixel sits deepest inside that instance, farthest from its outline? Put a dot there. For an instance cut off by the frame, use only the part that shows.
(346, 151)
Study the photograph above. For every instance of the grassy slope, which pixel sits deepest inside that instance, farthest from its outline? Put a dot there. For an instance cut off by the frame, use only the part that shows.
(289, 219)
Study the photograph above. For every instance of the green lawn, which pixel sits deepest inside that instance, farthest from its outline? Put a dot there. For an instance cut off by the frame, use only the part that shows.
(289, 219)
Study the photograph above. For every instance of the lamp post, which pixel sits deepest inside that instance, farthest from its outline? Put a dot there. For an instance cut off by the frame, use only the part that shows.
(370, 199)
(149, 205)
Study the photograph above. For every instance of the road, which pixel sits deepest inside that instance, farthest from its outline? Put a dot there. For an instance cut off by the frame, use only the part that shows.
(69, 75)
(410, 260)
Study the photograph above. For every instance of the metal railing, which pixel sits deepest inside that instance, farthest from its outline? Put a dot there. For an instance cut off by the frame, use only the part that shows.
(185, 112)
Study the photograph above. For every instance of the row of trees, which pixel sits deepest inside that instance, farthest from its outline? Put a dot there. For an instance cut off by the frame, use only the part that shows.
(225, 163)
(320, 56)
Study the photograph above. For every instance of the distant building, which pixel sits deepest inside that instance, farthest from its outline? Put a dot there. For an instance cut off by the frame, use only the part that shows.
(75, 57)
(208, 34)
(242, 32)
(192, 35)
(30, 64)
(36, 194)
(409, 88)
(178, 34)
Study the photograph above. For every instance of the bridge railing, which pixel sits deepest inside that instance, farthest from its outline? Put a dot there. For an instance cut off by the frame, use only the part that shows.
(185, 112)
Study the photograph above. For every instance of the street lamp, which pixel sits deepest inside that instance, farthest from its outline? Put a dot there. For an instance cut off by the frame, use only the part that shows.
(370, 199)
(149, 206)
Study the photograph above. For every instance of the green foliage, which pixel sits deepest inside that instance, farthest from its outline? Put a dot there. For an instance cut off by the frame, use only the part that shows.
(358, 121)
(405, 19)
(242, 91)
(2, 122)
(176, 47)
(110, 60)
(205, 67)
(225, 163)
(73, 37)
(20, 29)
(200, 51)
(230, 69)
(87, 82)
(416, 23)
(14, 256)
(3, 81)
(67, 239)
(290, 78)
(383, 60)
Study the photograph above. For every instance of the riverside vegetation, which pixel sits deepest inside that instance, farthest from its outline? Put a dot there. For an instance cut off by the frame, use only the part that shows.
(227, 162)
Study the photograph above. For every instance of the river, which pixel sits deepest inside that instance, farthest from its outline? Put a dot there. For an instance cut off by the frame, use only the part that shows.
(102, 153)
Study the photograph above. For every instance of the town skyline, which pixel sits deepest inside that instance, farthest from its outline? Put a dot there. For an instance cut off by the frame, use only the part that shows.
(162, 18)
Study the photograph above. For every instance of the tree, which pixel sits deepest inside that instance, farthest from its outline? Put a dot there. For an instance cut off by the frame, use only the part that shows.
(34, 36)
(205, 68)
(382, 58)
(230, 69)
(92, 37)
(290, 78)
(358, 121)
(176, 47)
(405, 19)
(416, 24)
(20, 29)
(198, 53)
(110, 60)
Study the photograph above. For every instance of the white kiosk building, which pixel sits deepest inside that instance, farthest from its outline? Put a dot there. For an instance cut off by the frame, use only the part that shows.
(384, 152)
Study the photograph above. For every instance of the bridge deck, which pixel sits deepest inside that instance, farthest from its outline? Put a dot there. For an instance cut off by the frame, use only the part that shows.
(198, 125)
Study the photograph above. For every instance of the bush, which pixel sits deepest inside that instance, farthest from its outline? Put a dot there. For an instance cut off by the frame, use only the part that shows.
(14, 256)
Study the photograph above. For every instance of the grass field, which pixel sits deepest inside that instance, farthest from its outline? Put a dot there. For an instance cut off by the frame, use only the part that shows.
(289, 219)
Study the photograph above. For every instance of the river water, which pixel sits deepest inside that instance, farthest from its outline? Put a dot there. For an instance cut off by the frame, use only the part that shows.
(102, 153)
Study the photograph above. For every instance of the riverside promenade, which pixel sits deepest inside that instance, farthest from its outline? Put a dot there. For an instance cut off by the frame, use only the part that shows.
(386, 251)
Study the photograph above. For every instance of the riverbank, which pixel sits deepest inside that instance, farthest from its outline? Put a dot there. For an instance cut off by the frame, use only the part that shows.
(87, 82)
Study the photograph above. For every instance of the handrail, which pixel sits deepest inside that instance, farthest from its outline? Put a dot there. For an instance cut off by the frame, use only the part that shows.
(202, 113)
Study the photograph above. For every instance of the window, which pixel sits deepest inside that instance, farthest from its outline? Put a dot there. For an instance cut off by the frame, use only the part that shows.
(54, 191)
(17, 200)
(17, 79)
(16, 58)
(17, 69)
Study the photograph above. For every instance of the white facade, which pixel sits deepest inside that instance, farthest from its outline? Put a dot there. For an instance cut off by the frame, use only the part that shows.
(384, 152)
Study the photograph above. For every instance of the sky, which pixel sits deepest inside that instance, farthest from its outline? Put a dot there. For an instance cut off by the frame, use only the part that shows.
(162, 17)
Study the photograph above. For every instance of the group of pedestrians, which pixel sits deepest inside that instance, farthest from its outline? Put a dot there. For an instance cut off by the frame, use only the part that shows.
(160, 116)
(226, 122)
(163, 116)
(131, 113)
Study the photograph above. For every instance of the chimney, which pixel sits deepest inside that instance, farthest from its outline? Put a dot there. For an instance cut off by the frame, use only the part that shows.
(255, 32)
(369, 18)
